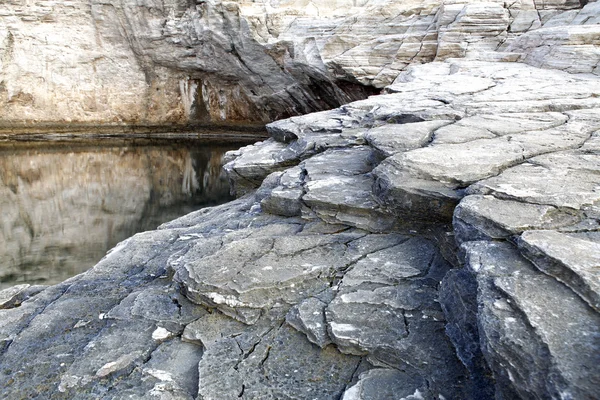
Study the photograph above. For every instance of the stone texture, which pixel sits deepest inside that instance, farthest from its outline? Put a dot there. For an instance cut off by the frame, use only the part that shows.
(572, 34)
(308, 317)
(179, 62)
(572, 259)
(386, 308)
(524, 151)
(379, 384)
(486, 217)
(330, 276)
(513, 312)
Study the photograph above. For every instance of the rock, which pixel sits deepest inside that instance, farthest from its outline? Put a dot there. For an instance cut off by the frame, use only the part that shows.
(282, 364)
(338, 189)
(246, 277)
(565, 179)
(15, 295)
(386, 308)
(512, 299)
(330, 277)
(484, 23)
(380, 383)
(569, 258)
(488, 126)
(486, 217)
(254, 163)
(459, 301)
(548, 47)
(215, 61)
(308, 317)
(390, 139)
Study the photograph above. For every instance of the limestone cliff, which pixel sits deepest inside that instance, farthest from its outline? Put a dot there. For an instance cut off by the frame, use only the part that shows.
(177, 61)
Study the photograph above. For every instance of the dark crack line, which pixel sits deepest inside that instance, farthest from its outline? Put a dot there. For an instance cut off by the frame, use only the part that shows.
(33, 316)
(353, 376)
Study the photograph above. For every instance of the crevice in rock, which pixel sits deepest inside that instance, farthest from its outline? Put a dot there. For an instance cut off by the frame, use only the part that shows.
(33, 316)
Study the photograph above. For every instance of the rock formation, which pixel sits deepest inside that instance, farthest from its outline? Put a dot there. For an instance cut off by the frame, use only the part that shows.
(148, 62)
(439, 241)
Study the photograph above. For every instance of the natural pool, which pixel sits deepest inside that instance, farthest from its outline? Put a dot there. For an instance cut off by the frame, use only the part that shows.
(65, 201)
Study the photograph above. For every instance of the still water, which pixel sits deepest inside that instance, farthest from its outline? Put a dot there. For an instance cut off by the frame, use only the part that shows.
(64, 203)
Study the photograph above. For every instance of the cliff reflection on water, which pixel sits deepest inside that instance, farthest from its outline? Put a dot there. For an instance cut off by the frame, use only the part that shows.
(63, 205)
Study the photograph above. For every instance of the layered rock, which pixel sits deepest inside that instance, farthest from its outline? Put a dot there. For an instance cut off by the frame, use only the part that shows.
(437, 241)
(179, 62)
(337, 274)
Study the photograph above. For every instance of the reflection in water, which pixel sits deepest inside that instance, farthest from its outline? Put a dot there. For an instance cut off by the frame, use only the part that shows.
(64, 205)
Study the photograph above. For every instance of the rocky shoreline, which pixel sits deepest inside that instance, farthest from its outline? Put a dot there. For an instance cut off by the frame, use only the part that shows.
(437, 241)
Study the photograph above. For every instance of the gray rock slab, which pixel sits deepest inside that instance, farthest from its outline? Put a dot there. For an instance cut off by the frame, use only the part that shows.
(518, 308)
(393, 138)
(253, 163)
(347, 200)
(345, 162)
(390, 266)
(15, 295)
(564, 179)
(249, 275)
(492, 125)
(283, 364)
(479, 217)
(281, 192)
(413, 198)
(337, 187)
(458, 299)
(571, 259)
(175, 363)
(469, 162)
(392, 315)
(308, 317)
(387, 384)
(463, 163)
(283, 201)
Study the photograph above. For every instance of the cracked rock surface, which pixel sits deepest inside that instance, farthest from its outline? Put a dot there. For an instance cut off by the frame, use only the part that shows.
(176, 62)
(437, 241)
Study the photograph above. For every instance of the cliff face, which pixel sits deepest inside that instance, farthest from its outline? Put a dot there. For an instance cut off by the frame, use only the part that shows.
(175, 61)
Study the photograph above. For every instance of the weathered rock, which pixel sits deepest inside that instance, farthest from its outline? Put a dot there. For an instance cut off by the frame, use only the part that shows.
(253, 163)
(13, 296)
(308, 317)
(380, 384)
(565, 179)
(246, 277)
(386, 309)
(338, 189)
(571, 258)
(391, 138)
(328, 280)
(513, 301)
(282, 364)
(553, 44)
(458, 299)
(177, 62)
(486, 217)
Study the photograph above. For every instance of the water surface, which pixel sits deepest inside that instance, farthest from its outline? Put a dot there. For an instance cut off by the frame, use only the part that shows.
(65, 202)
